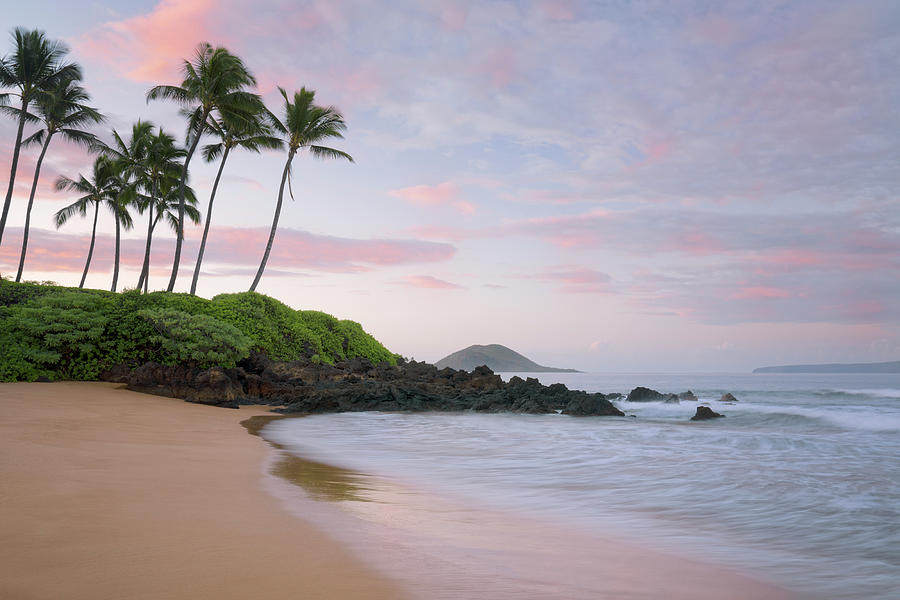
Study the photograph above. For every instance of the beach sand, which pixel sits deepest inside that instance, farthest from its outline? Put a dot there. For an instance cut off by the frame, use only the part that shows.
(111, 494)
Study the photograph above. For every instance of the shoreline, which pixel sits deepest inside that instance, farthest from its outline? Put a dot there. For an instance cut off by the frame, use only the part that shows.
(108, 493)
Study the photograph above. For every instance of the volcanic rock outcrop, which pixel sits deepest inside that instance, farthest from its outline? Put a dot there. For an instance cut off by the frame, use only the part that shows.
(305, 386)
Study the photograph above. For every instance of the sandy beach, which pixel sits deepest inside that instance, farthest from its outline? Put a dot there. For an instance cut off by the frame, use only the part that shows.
(111, 494)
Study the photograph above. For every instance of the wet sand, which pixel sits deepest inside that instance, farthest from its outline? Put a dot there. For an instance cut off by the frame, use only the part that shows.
(441, 548)
(111, 494)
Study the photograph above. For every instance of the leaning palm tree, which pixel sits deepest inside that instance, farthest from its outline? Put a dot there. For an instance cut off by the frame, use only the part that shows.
(166, 207)
(63, 111)
(123, 194)
(131, 158)
(149, 158)
(304, 125)
(35, 66)
(97, 190)
(215, 81)
(254, 135)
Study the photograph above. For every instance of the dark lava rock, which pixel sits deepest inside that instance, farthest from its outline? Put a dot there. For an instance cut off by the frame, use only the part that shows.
(585, 404)
(704, 412)
(642, 394)
(728, 398)
(304, 386)
(671, 399)
(215, 386)
(687, 396)
(117, 374)
(615, 396)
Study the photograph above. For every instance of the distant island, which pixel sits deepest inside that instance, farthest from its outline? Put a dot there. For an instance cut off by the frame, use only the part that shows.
(882, 367)
(497, 358)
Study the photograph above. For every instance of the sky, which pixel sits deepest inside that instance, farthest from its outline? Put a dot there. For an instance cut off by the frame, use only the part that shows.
(609, 186)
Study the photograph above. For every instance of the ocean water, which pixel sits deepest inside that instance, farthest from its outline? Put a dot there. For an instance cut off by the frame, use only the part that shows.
(798, 485)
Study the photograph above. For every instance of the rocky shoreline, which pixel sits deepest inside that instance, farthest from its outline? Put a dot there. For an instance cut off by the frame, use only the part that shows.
(309, 387)
(304, 386)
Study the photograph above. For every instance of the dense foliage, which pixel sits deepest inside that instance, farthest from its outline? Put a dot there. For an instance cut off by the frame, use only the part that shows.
(65, 333)
(196, 339)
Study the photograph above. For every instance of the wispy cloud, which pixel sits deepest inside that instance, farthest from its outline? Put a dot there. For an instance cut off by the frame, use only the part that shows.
(429, 283)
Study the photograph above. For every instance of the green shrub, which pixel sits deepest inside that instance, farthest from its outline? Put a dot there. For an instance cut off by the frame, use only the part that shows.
(58, 335)
(198, 340)
(58, 332)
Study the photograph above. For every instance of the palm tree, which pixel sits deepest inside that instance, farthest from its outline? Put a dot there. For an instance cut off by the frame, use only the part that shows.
(166, 207)
(149, 158)
(123, 193)
(253, 135)
(97, 190)
(304, 125)
(62, 110)
(34, 66)
(214, 81)
(130, 160)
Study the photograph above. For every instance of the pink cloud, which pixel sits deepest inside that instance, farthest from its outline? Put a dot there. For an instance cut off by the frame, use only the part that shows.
(429, 282)
(452, 234)
(453, 17)
(579, 280)
(228, 247)
(760, 293)
(715, 29)
(499, 66)
(696, 242)
(150, 47)
(428, 195)
(539, 196)
(862, 310)
(557, 10)
(442, 194)
(568, 231)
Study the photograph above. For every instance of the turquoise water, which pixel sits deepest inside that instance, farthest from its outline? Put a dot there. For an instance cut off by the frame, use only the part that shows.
(799, 483)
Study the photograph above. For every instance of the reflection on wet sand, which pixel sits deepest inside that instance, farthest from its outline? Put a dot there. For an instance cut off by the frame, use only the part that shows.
(320, 481)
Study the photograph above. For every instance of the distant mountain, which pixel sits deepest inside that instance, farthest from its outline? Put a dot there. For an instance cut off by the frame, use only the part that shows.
(498, 358)
(884, 367)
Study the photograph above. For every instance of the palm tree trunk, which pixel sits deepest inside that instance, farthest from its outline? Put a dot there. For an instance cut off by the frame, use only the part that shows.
(37, 173)
(147, 277)
(262, 265)
(116, 263)
(87, 264)
(212, 197)
(145, 269)
(12, 170)
(179, 238)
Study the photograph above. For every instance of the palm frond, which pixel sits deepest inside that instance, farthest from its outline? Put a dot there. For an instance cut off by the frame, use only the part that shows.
(35, 138)
(16, 113)
(212, 152)
(170, 92)
(323, 152)
(79, 207)
(83, 138)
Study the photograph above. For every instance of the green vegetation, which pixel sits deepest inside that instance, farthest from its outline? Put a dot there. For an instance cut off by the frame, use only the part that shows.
(197, 339)
(68, 333)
